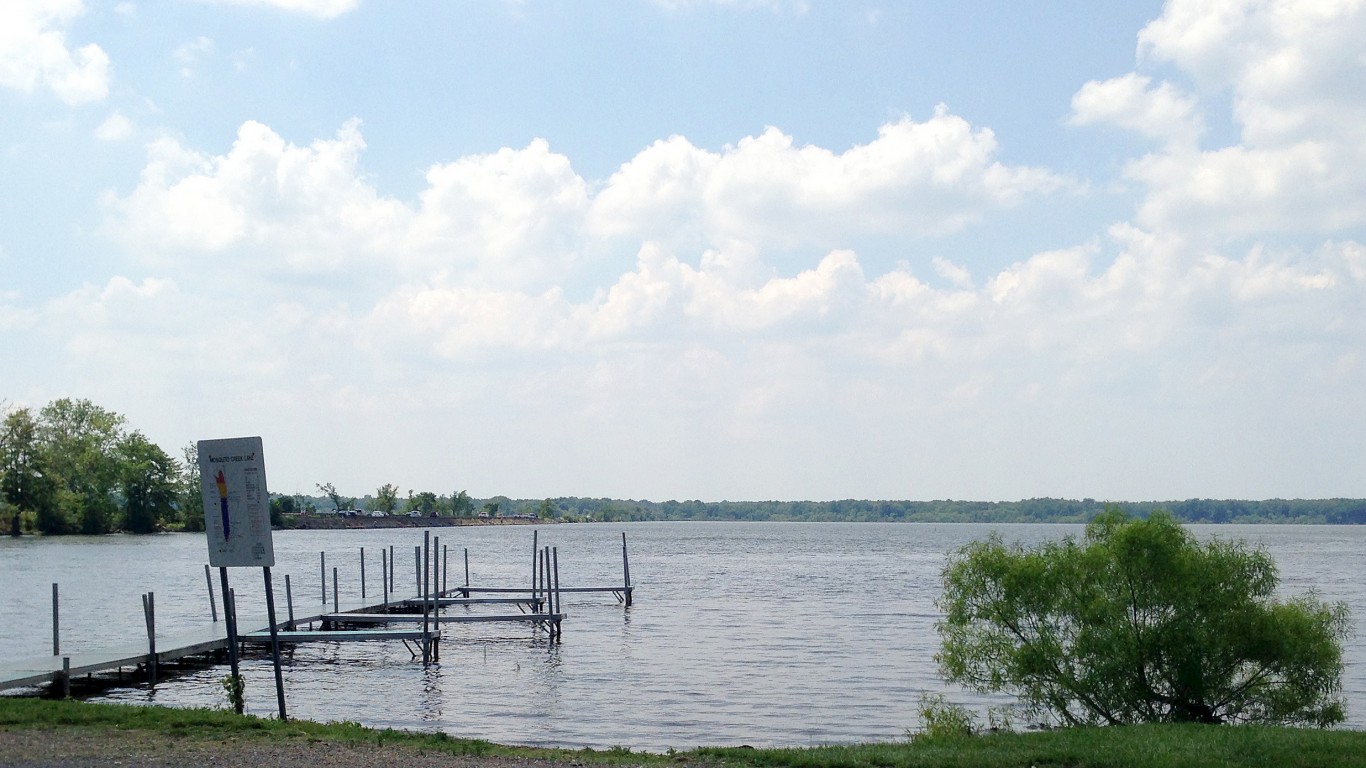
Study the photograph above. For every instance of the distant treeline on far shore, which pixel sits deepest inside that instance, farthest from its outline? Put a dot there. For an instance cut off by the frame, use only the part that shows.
(1324, 511)
(1045, 510)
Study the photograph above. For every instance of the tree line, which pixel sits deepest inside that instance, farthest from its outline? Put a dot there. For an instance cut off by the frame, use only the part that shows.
(387, 500)
(1039, 510)
(74, 467)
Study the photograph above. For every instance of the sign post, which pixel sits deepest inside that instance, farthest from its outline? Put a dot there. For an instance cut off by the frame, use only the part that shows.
(232, 475)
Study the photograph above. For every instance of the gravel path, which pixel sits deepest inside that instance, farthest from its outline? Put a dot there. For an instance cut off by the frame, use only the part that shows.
(92, 747)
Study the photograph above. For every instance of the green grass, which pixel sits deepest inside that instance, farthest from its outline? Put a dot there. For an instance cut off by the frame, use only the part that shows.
(1147, 746)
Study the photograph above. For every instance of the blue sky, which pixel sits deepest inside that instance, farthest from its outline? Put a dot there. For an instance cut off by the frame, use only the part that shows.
(702, 248)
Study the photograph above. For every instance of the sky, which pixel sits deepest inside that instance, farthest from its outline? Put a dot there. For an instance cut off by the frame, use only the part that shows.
(701, 249)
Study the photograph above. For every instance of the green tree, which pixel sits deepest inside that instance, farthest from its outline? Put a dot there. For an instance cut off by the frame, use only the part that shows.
(79, 441)
(338, 501)
(423, 502)
(279, 507)
(462, 505)
(149, 484)
(1140, 623)
(26, 484)
(386, 499)
(546, 510)
(191, 494)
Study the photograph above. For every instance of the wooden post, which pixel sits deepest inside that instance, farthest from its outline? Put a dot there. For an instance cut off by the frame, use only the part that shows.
(445, 567)
(230, 615)
(213, 606)
(56, 624)
(384, 575)
(66, 677)
(417, 568)
(467, 569)
(336, 601)
(362, 573)
(149, 614)
(275, 644)
(322, 561)
(289, 602)
(436, 566)
(626, 569)
(391, 568)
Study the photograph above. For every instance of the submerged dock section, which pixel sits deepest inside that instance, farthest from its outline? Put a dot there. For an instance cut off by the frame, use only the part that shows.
(412, 615)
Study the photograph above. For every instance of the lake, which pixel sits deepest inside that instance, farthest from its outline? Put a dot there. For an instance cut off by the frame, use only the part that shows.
(768, 634)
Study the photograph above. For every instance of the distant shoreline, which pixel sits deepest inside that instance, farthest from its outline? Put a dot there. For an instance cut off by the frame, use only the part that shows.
(305, 522)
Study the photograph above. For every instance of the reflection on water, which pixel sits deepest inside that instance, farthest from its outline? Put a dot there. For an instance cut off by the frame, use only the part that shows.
(755, 633)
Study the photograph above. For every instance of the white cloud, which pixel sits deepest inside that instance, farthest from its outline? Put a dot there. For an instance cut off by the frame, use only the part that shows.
(116, 127)
(511, 217)
(321, 9)
(35, 55)
(270, 205)
(1294, 67)
(1298, 83)
(1308, 187)
(189, 54)
(1160, 112)
(515, 299)
(928, 178)
(522, 218)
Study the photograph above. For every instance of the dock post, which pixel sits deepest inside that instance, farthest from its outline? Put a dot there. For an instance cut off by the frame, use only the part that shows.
(559, 609)
(436, 566)
(66, 677)
(548, 606)
(384, 575)
(275, 644)
(422, 590)
(230, 616)
(322, 560)
(213, 606)
(362, 573)
(535, 562)
(149, 614)
(445, 568)
(626, 569)
(289, 602)
(391, 568)
(56, 625)
(336, 601)
(467, 571)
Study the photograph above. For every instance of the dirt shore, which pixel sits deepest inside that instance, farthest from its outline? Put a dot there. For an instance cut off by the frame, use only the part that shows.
(83, 747)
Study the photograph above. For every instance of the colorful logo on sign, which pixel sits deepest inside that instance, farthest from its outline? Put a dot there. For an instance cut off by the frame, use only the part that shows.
(223, 501)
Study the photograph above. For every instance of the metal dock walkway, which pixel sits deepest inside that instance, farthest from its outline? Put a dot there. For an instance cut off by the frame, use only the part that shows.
(41, 670)
(539, 603)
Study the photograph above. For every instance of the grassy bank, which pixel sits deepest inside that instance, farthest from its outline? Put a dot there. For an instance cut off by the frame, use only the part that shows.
(1157, 746)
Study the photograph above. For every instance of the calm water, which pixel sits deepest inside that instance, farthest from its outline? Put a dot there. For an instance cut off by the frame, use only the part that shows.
(758, 633)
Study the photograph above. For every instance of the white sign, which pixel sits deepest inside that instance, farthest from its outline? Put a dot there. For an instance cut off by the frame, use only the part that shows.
(232, 477)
